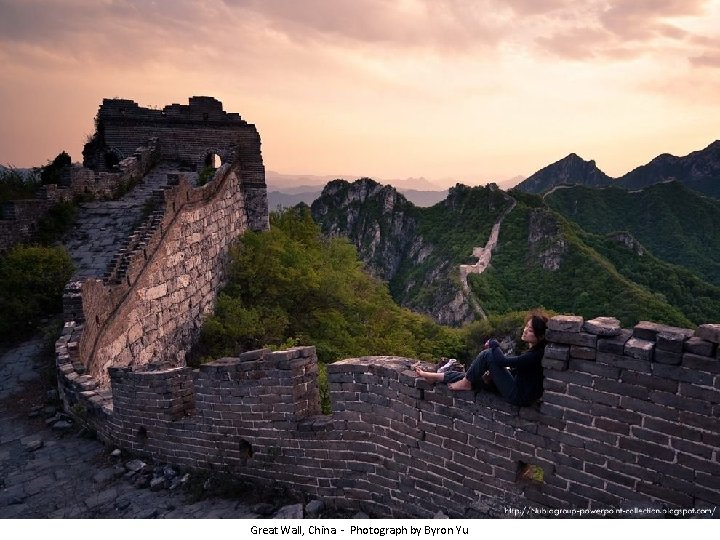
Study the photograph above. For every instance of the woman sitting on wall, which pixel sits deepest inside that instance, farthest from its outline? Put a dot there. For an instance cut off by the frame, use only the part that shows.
(521, 385)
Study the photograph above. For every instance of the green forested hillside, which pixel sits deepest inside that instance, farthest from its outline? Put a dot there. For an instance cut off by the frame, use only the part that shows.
(291, 285)
(698, 300)
(563, 273)
(449, 230)
(676, 224)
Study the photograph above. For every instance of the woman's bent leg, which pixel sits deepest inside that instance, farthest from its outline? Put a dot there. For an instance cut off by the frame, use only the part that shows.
(504, 382)
(473, 376)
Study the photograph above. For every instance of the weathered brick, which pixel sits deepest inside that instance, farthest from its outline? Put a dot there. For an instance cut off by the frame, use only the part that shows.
(624, 362)
(699, 346)
(650, 409)
(639, 349)
(555, 365)
(666, 357)
(665, 494)
(612, 426)
(566, 323)
(650, 436)
(615, 413)
(556, 351)
(672, 428)
(571, 338)
(648, 381)
(603, 326)
(709, 423)
(701, 450)
(622, 388)
(614, 345)
(583, 353)
(594, 368)
(648, 331)
(647, 448)
(592, 433)
(613, 476)
(683, 374)
(679, 402)
(709, 332)
(701, 363)
(673, 341)
(591, 395)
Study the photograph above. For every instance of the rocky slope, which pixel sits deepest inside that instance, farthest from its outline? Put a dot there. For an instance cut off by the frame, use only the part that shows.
(581, 250)
(418, 251)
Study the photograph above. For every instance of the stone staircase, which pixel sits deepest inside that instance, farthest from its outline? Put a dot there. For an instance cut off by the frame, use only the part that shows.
(103, 227)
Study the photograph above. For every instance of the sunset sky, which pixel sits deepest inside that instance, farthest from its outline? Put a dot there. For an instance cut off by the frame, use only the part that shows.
(452, 90)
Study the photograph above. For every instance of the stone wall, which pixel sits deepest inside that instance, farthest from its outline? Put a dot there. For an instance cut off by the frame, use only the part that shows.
(19, 219)
(188, 134)
(629, 418)
(161, 285)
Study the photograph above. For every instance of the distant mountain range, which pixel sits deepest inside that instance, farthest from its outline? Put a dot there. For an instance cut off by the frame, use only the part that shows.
(650, 254)
(307, 194)
(698, 170)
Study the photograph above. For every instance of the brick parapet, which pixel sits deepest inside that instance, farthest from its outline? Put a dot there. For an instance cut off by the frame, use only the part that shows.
(608, 432)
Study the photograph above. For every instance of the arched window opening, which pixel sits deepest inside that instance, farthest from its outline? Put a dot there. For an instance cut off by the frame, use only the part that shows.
(213, 161)
(211, 164)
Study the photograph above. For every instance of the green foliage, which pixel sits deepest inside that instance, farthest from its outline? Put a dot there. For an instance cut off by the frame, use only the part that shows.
(50, 173)
(56, 222)
(32, 280)
(586, 283)
(206, 175)
(676, 224)
(324, 387)
(290, 282)
(698, 300)
(453, 227)
(13, 186)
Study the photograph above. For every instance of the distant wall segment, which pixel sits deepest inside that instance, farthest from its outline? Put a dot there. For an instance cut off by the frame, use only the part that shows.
(628, 419)
(162, 284)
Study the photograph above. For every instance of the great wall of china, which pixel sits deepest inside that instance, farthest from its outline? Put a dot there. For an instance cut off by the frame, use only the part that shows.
(629, 417)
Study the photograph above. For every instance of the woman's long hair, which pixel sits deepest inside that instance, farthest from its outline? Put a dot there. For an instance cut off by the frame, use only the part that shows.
(538, 322)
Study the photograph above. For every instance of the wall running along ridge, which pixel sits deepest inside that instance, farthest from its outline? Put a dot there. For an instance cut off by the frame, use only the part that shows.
(628, 418)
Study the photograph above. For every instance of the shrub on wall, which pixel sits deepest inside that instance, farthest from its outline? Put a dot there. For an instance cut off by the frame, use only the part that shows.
(291, 282)
(32, 280)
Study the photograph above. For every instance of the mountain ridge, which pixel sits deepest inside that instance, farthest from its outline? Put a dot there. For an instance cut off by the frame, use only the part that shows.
(699, 170)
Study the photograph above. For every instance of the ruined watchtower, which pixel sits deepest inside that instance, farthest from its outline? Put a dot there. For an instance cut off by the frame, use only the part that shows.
(193, 136)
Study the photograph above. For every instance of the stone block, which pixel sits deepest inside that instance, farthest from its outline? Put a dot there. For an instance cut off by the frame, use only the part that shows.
(672, 341)
(571, 338)
(554, 351)
(615, 344)
(603, 326)
(709, 332)
(667, 357)
(566, 323)
(583, 353)
(649, 330)
(696, 345)
(639, 349)
(558, 365)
